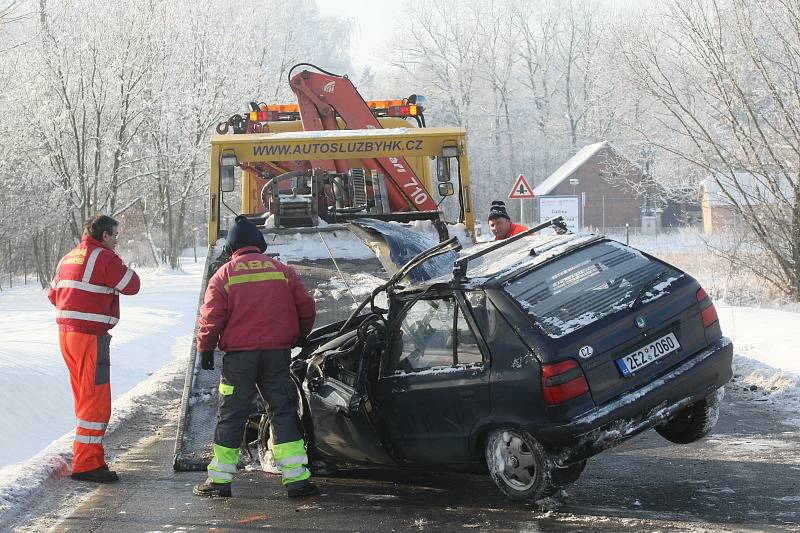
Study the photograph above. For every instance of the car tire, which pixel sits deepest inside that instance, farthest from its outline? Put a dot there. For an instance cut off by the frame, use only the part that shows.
(264, 447)
(518, 465)
(694, 422)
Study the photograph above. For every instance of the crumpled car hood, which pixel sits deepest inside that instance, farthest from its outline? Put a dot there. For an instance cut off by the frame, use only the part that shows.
(395, 244)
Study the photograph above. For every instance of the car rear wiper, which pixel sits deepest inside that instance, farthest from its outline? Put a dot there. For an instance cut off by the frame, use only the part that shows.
(652, 281)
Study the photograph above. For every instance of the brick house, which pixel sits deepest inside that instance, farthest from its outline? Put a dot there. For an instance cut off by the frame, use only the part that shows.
(606, 186)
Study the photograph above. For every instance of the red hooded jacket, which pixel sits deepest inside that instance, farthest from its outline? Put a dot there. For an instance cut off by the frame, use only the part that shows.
(86, 288)
(254, 302)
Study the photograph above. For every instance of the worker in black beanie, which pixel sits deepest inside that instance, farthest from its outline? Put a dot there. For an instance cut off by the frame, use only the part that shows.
(255, 310)
(500, 223)
(244, 233)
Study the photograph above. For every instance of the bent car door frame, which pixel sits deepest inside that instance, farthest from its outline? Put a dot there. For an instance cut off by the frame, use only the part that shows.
(430, 415)
(345, 421)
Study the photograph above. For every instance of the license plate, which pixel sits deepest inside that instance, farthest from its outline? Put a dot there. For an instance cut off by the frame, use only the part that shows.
(648, 354)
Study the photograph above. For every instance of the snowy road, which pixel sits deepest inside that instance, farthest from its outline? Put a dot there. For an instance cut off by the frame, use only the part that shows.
(744, 478)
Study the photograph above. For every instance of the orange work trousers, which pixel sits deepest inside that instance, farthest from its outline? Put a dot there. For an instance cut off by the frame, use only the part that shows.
(88, 359)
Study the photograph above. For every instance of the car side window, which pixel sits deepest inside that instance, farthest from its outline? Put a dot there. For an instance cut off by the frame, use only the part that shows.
(425, 337)
(493, 326)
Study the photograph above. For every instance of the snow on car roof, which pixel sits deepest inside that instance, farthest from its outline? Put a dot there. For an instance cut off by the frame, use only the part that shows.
(517, 255)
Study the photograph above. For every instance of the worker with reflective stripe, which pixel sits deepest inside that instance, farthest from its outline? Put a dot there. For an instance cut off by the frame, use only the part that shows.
(256, 309)
(85, 291)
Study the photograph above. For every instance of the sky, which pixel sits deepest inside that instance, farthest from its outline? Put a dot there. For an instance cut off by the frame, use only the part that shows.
(374, 22)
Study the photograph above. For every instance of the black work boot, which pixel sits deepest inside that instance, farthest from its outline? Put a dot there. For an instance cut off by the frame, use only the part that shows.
(301, 489)
(209, 489)
(98, 475)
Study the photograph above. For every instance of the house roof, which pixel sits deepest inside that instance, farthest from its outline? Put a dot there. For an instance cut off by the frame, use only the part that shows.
(745, 188)
(568, 169)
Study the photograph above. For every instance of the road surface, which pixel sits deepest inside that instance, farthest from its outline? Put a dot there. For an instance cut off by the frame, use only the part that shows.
(745, 477)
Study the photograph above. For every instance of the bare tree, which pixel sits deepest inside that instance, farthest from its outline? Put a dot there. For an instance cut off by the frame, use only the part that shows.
(725, 76)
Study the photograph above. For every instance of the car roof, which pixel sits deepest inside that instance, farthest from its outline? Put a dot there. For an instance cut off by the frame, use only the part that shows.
(507, 261)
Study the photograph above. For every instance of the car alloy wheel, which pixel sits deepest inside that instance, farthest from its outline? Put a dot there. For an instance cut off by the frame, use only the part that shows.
(517, 464)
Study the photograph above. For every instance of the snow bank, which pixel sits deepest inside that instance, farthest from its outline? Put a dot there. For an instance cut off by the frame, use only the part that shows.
(19, 483)
(34, 381)
(767, 361)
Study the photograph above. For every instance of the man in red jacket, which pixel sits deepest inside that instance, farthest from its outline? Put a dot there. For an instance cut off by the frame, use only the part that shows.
(256, 309)
(500, 223)
(85, 291)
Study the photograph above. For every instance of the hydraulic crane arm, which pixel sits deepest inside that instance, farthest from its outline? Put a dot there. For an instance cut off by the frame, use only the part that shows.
(320, 98)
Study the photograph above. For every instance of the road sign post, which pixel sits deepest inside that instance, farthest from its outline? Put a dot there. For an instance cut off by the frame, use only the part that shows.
(521, 190)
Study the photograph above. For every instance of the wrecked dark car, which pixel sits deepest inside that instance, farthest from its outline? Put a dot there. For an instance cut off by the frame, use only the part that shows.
(525, 358)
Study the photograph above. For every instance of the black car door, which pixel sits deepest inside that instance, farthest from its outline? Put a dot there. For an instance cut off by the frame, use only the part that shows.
(434, 382)
(344, 419)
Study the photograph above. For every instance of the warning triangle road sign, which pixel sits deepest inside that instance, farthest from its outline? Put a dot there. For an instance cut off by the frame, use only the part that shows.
(521, 189)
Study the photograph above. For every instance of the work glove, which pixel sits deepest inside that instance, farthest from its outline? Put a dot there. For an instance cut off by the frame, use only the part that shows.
(207, 360)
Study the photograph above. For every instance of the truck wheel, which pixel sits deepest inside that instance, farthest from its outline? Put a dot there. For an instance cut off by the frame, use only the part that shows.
(518, 465)
(694, 422)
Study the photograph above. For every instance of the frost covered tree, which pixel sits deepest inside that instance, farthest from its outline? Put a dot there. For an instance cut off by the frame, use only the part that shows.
(724, 84)
(125, 97)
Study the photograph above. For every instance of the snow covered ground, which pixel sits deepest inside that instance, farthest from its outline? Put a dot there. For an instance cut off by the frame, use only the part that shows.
(155, 328)
(154, 335)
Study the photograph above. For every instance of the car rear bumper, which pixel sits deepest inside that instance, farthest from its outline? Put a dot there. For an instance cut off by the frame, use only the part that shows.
(641, 409)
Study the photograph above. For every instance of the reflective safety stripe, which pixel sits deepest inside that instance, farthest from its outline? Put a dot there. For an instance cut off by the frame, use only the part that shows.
(85, 424)
(292, 460)
(257, 276)
(225, 389)
(88, 439)
(105, 319)
(125, 280)
(291, 475)
(288, 449)
(222, 467)
(220, 477)
(226, 455)
(89, 287)
(87, 273)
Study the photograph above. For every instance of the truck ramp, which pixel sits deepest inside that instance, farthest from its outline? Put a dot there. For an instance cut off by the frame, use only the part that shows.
(336, 283)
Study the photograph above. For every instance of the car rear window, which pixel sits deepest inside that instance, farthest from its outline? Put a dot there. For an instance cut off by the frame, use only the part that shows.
(584, 286)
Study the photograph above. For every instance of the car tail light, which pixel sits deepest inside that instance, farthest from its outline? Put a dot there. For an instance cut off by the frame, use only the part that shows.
(709, 313)
(563, 381)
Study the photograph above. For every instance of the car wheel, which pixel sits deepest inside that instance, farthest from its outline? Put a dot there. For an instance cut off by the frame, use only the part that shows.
(265, 447)
(694, 422)
(518, 465)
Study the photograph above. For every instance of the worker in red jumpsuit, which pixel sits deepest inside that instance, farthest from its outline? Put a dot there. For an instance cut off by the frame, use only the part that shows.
(256, 309)
(85, 291)
(500, 223)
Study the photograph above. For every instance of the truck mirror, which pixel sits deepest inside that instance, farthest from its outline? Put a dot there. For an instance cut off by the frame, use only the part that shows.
(446, 188)
(443, 168)
(226, 179)
(227, 164)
